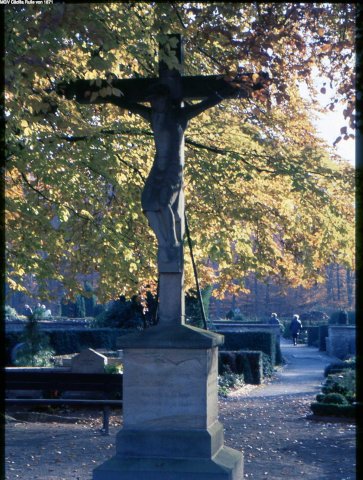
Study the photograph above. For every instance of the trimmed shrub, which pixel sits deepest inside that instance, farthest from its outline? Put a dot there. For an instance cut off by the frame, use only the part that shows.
(339, 367)
(338, 391)
(246, 363)
(344, 383)
(314, 316)
(252, 366)
(71, 341)
(339, 318)
(257, 340)
(268, 369)
(240, 318)
(331, 409)
(351, 318)
(320, 397)
(279, 358)
(227, 362)
(313, 336)
(336, 398)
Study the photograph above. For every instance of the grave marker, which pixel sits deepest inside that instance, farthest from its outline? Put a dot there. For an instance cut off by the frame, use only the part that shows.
(88, 361)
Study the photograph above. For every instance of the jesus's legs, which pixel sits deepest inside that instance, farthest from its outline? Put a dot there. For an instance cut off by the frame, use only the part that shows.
(166, 229)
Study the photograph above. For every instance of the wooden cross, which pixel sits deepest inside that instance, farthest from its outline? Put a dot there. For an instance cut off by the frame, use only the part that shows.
(163, 198)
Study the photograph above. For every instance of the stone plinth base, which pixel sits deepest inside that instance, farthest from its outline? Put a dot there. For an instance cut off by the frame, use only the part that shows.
(170, 414)
(225, 465)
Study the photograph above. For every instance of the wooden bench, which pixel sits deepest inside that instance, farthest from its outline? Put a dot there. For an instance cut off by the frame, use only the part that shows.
(53, 384)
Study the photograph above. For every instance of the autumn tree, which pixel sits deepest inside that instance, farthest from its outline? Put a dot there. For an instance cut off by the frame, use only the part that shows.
(263, 193)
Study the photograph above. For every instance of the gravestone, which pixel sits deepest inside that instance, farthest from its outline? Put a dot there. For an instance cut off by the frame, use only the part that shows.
(16, 350)
(88, 361)
(170, 386)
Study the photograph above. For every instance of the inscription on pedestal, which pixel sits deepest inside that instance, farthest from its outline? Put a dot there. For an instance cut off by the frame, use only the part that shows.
(176, 388)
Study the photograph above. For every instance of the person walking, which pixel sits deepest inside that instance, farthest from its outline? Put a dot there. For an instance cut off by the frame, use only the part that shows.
(295, 328)
(275, 321)
(28, 311)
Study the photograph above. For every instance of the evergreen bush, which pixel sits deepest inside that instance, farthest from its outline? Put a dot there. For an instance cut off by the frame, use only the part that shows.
(36, 351)
(80, 307)
(123, 313)
(193, 313)
(90, 300)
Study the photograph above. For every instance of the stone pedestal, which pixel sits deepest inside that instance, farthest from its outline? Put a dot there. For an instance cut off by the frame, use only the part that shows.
(171, 429)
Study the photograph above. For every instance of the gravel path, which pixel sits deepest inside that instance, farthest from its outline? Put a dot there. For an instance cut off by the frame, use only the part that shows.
(269, 423)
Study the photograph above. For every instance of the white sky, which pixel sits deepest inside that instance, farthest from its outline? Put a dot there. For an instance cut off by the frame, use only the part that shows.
(328, 127)
(329, 124)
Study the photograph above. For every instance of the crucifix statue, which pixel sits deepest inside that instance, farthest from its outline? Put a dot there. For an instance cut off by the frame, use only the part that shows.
(168, 113)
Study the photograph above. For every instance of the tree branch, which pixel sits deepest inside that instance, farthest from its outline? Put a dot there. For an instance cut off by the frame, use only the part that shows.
(225, 152)
(136, 170)
(51, 200)
(189, 141)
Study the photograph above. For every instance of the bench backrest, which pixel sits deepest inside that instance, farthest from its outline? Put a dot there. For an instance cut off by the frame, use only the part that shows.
(63, 381)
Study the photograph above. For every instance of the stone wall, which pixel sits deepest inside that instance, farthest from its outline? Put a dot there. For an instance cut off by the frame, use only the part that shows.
(341, 340)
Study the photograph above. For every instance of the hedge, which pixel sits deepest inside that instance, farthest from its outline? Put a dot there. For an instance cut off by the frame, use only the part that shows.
(317, 335)
(338, 367)
(331, 409)
(323, 333)
(72, 341)
(313, 336)
(257, 340)
(336, 398)
(248, 363)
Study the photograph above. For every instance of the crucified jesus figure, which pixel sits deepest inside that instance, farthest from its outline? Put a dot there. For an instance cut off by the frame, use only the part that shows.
(162, 197)
(161, 102)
